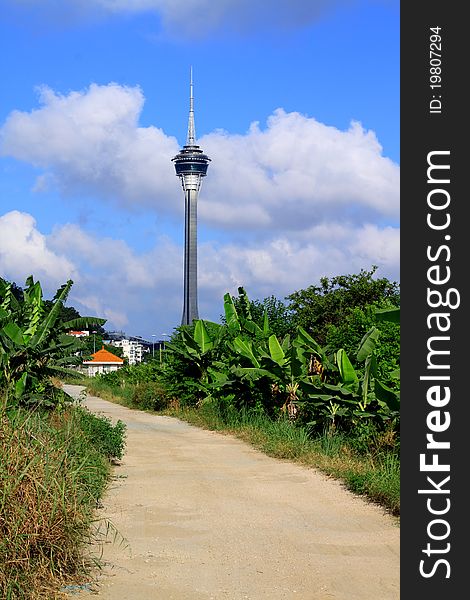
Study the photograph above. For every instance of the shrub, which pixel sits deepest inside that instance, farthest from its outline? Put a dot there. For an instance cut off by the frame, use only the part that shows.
(149, 396)
(108, 439)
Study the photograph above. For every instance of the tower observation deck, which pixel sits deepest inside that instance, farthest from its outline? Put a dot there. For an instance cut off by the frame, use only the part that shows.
(190, 166)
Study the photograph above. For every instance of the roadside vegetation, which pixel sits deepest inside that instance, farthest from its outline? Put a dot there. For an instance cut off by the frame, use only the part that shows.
(54, 454)
(315, 380)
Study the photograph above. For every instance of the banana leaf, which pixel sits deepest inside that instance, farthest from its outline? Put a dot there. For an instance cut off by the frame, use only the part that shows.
(15, 333)
(48, 323)
(347, 372)
(81, 323)
(368, 343)
(251, 373)
(306, 340)
(201, 337)
(20, 385)
(392, 315)
(387, 397)
(244, 348)
(276, 351)
(231, 316)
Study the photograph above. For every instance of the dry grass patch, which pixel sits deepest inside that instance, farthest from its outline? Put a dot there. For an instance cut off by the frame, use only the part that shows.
(50, 479)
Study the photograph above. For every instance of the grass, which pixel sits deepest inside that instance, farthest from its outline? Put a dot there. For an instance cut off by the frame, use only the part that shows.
(97, 387)
(374, 474)
(142, 396)
(54, 468)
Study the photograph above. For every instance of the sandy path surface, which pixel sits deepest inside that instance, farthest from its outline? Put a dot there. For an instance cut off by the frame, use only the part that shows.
(206, 516)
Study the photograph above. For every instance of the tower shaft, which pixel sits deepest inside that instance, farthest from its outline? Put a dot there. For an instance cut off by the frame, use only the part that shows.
(190, 308)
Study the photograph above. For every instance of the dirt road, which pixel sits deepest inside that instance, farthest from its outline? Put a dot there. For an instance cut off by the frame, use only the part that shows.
(206, 517)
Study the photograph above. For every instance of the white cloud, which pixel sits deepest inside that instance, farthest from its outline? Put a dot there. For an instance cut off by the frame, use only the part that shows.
(291, 175)
(282, 265)
(297, 172)
(142, 292)
(111, 259)
(119, 284)
(26, 251)
(90, 141)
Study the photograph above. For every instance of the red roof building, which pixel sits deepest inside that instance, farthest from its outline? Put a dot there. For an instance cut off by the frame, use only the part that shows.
(103, 361)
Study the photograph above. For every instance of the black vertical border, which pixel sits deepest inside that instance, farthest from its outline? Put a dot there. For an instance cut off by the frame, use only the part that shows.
(422, 132)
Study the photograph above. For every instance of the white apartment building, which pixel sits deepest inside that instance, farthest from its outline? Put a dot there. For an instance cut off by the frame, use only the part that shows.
(132, 350)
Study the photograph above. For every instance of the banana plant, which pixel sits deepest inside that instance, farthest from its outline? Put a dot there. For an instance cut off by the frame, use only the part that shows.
(292, 366)
(197, 349)
(362, 395)
(243, 323)
(196, 344)
(34, 344)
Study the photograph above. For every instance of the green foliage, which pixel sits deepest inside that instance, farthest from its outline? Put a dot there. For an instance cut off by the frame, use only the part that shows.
(189, 355)
(349, 333)
(278, 314)
(317, 386)
(137, 386)
(108, 439)
(67, 313)
(132, 374)
(316, 308)
(34, 345)
(54, 468)
(94, 342)
(149, 396)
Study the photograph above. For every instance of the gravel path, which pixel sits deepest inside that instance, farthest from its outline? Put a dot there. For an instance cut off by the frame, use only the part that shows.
(205, 516)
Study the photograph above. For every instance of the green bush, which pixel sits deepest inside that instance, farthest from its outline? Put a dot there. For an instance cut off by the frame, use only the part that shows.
(108, 439)
(149, 396)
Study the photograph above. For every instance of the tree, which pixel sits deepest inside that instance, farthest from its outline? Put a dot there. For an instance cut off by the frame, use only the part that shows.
(66, 313)
(94, 342)
(317, 308)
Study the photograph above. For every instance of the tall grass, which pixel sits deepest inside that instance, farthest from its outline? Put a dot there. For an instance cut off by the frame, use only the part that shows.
(52, 474)
(148, 395)
(97, 386)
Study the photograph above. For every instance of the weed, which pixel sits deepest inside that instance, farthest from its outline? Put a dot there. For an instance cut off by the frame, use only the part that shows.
(51, 477)
(108, 439)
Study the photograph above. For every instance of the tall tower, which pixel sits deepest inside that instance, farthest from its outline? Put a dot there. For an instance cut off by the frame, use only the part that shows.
(191, 166)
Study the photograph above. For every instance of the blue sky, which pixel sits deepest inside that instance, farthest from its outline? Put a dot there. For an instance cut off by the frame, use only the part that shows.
(297, 106)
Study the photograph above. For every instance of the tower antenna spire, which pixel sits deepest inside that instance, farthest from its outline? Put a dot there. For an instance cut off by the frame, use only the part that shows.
(191, 139)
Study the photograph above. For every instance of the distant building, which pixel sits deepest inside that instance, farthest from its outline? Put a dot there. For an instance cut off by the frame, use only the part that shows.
(131, 349)
(79, 333)
(103, 362)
